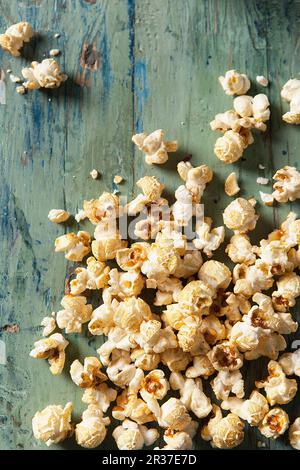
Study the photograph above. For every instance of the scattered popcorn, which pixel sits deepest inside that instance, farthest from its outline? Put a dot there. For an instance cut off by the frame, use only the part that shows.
(46, 74)
(154, 147)
(252, 410)
(94, 174)
(290, 363)
(54, 52)
(53, 424)
(287, 186)
(234, 83)
(52, 349)
(275, 423)
(263, 181)
(225, 356)
(294, 434)
(230, 147)
(208, 239)
(279, 389)
(118, 179)
(58, 216)
(100, 395)
(231, 186)
(261, 80)
(240, 216)
(131, 436)
(191, 394)
(223, 433)
(94, 276)
(75, 246)
(49, 324)
(91, 431)
(89, 374)
(15, 36)
(240, 250)
(288, 289)
(76, 312)
(227, 382)
(291, 93)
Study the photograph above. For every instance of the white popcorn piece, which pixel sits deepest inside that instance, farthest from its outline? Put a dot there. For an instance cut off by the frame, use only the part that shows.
(100, 395)
(152, 337)
(275, 254)
(240, 250)
(14, 78)
(94, 174)
(196, 298)
(154, 146)
(154, 385)
(53, 424)
(225, 356)
(230, 147)
(175, 359)
(208, 239)
(260, 106)
(168, 291)
(240, 216)
(294, 434)
(94, 276)
(287, 186)
(212, 329)
(129, 405)
(279, 389)
(132, 258)
(243, 106)
(102, 319)
(195, 179)
(269, 345)
(202, 367)
(54, 52)
(261, 180)
(163, 260)
(120, 369)
(58, 216)
(275, 423)
(174, 415)
(189, 265)
(46, 74)
(223, 432)
(145, 361)
(131, 313)
(291, 93)
(250, 279)
(131, 436)
(179, 440)
(75, 247)
(190, 337)
(234, 83)
(15, 36)
(261, 80)
(288, 289)
(49, 325)
(252, 410)
(290, 363)
(266, 198)
(191, 394)
(229, 120)
(91, 431)
(76, 312)
(52, 349)
(215, 274)
(102, 210)
(89, 374)
(21, 90)
(227, 382)
(117, 339)
(106, 245)
(231, 186)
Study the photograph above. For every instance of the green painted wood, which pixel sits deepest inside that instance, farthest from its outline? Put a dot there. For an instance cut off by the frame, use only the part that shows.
(133, 65)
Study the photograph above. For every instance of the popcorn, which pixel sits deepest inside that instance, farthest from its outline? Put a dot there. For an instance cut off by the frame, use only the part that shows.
(234, 83)
(46, 74)
(153, 338)
(58, 216)
(162, 262)
(226, 356)
(76, 312)
(118, 179)
(50, 324)
(287, 186)
(132, 258)
(288, 289)
(154, 147)
(75, 247)
(53, 424)
(240, 216)
(279, 389)
(175, 359)
(123, 285)
(53, 349)
(212, 329)
(252, 410)
(215, 274)
(15, 36)
(103, 209)
(180, 440)
(94, 174)
(294, 434)
(196, 297)
(291, 93)
(195, 179)
(269, 345)
(168, 291)
(54, 52)
(202, 367)
(89, 374)
(154, 385)
(102, 319)
(262, 181)
(260, 106)
(261, 80)
(231, 186)
(240, 250)
(91, 431)
(130, 314)
(143, 360)
(131, 436)
(100, 395)
(191, 394)
(227, 382)
(229, 120)
(189, 264)
(94, 276)
(208, 240)
(274, 424)
(132, 407)
(118, 339)
(174, 415)
(251, 279)
(223, 433)
(230, 147)
(243, 106)
(152, 188)
(107, 248)
(290, 363)
(266, 198)
(190, 337)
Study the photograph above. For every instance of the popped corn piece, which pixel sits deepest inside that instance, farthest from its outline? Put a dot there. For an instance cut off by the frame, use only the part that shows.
(53, 424)
(227, 382)
(289, 89)
(58, 215)
(229, 120)
(152, 188)
(107, 248)
(287, 186)
(76, 312)
(243, 106)
(260, 106)
(269, 345)
(233, 307)
(53, 349)
(191, 394)
(174, 415)
(245, 335)
(103, 209)
(130, 406)
(240, 216)
(154, 385)
(231, 186)
(264, 316)
(189, 264)
(262, 181)
(190, 337)
(21, 90)
(180, 440)
(251, 279)
(100, 395)
(154, 146)
(15, 36)
(132, 258)
(81, 215)
(279, 389)
(118, 179)
(266, 198)
(275, 254)
(89, 374)
(49, 324)
(91, 431)
(223, 433)
(234, 83)
(131, 436)
(261, 80)
(102, 319)
(117, 339)
(168, 291)
(120, 369)
(252, 410)
(202, 367)
(153, 338)
(163, 260)
(240, 250)
(75, 247)
(208, 239)
(94, 174)
(143, 360)
(131, 313)
(274, 424)
(288, 289)
(230, 147)
(46, 74)
(196, 297)
(290, 363)
(175, 359)
(226, 356)
(94, 276)
(182, 209)
(197, 179)
(215, 274)
(54, 52)
(123, 285)
(294, 434)
(291, 93)
(212, 329)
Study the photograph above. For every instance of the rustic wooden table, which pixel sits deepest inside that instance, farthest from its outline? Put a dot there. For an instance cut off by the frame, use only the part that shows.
(133, 65)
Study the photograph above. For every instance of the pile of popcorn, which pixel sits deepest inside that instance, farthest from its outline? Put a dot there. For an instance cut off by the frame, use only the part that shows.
(150, 371)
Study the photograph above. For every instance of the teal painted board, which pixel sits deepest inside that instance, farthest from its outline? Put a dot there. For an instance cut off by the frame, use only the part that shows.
(133, 65)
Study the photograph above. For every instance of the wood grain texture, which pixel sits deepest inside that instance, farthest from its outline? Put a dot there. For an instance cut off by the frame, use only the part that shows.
(133, 65)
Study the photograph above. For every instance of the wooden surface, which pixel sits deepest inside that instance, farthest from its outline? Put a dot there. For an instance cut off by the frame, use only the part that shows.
(133, 65)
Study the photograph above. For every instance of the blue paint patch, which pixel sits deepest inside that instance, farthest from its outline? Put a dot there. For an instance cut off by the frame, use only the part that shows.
(141, 92)
(131, 20)
(105, 63)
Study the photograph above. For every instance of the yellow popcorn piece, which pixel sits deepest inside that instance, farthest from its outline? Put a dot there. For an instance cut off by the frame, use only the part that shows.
(89, 374)
(240, 216)
(234, 83)
(76, 312)
(53, 424)
(279, 389)
(15, 36)
(154, 146)
(223, 432)
(191, 394)
(240, 250)
(45, 74)
(52, 349)
(227, 382)
(252, 410)
(291, 93)
(91, 431)
(75, 247)
(58, 216)
(231, 186)
(94, 276)
(287, 185)
(290, 363)
(274, 424)
(131, 312)
(226, 356)
(294, 434)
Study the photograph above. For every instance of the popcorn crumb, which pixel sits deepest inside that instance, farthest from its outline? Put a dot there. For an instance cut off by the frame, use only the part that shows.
(261, 80)
(261, 180)
(261, 167)
(56, 35)
(118, 179)
(231, 186)
(94, 174)
(54, 52)
(8, 71)
(14, 78)
(21, 90)
(266, 198)
(58, 216)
